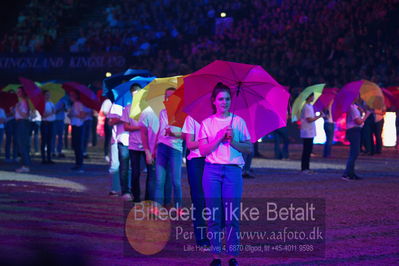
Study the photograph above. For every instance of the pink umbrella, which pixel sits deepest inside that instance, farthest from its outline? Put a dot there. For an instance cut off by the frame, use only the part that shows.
(345, 98)
(34, 93)
(325, 99)
(87, 96)
(256, 96)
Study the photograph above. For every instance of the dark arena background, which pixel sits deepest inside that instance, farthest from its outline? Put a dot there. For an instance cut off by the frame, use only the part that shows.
(315, 82)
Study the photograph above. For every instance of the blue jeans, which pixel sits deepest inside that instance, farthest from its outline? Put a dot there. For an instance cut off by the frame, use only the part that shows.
(23, 130)
(11, 139)
(195, 170)
(353, 135)
(281, 134)
(77, 144)
(135, 159)
(58, 134)
(123, 155)
(168, 172)
(329, 130)
(222, 186)
(114, 168)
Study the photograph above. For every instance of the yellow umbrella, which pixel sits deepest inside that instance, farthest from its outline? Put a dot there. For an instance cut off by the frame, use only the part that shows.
(153, 95)
(11, 87)
(299, 102)
(55, 89)
(372, 95)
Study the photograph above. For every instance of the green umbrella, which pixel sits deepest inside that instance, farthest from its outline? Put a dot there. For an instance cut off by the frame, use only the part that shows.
(11, 87)
(299, 102)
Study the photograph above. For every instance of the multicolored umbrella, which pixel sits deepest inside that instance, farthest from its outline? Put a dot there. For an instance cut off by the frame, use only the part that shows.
(55, 89)
(153, 95)
(117, 79)
(344, 98)
(368, 91)
(11, 87)
(122, 93)
(174, 107)
(34, 93)
(300, 101)
(325, 99)
(256, 96)
(372, 95)
(87, 96)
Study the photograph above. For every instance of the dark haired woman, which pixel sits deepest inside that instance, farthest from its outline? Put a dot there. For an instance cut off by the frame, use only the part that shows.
(76, 114)
(223, 138)
(308, 132)
(22, 130)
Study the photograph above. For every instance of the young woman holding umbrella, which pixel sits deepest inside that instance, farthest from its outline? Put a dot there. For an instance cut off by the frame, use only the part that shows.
(223, 138)
(354, 123)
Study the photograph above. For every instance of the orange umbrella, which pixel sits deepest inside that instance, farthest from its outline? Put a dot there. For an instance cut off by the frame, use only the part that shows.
(174, 107)
(372, 95)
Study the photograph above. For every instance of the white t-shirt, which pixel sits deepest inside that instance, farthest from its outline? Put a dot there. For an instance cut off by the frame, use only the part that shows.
(351, 116)
(150, 120)
(77, 107)
(135, 142)
(106, 106)
(2, 116)
(122, 136)
(21, 110)
(49, 108)
(308, 129)
(191, 126)
(88, 113)
(173, 142)
(224, 153)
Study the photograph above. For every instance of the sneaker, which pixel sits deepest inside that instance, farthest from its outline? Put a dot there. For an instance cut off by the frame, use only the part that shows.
(233, 262)
(78, 169)
(107, 159)
(113, 193)
(216, 262)
(308, 172)
(356, 177)
(246, 175)
(346, 178)
(23, 169)
(127, 197)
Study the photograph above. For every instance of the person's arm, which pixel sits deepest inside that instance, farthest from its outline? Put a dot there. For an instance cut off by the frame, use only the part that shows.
(206, 147)
(359, 120)
(113, 121)
(312, 119)
(129, 127)
(144, 139)
(190, 141)
(243, 147)
(169, 132)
